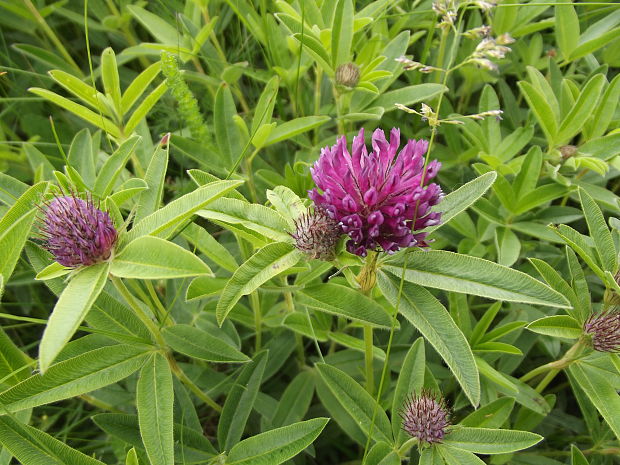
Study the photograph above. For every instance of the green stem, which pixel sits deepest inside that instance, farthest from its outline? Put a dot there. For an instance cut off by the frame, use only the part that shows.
(441, 55)
(547, 379)
(258, 318)
(131, 300)
(180, 374)
(290, 306)
(164, 314)
(370, 377)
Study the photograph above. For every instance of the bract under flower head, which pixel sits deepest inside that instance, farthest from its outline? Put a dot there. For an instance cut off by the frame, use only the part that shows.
(77, 233)
(382, 199)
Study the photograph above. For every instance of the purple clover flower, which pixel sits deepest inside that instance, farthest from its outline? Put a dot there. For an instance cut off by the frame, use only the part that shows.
(604, 328)
(425, 417)
(76, 232)
(380, 199)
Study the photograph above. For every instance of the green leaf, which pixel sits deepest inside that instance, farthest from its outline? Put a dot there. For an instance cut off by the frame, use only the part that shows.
(34, 447)
(145, 106)
(557, 326)
(604, 111)
(470, 275)
(113, 167)
(597, 386)
(295, 400)
(190, 446)
(81, 156)
(78, 375)
(430, 456)
(226, 133)
(150, 257)
(132, 457)
(453, 456)
(356, 401)
(155, 178)
(159, 28)
(431, 318)
(209, 246)
(508, 246)
(276, 446)
(342, 33)
(265, 264)
(577, 457)
(81, 90)
(138, 86)
(294, 127)
(408, 95)
(259, 218)
(580, 244)
(154, 399)
(71, 308)
(410, 381)
(199, 344)
(12, 360)
(553, 278)
(492, 415)
(346, 302)
(490, 441)
(463, 197)
(264, 108)
(314, 48)
(163, 222)
(566, 27)
(240, 401)
(582, 108)
(604, 243)
(15, 227)
(88, 115)
(109, 76)
(541, 109)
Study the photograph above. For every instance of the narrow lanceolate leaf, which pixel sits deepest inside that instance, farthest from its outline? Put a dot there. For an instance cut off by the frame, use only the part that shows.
(12, 359)
(162, 222)
(597, 386)
(278, 445)
(75, 376)
(346, 302)
(150, 257)
(566, 28)
(113, 167)
(463, 197)
(557, 326)
(154, 399)
(470, 275)
(356, 401)
(31, 446)
(491, 441)
(604, 243)
(71, 308)
(199, 344)
(454, 456)
(268, 262)
(431, 318)
(342, 33)
(154, 177)
(240, 402)
(15, 227)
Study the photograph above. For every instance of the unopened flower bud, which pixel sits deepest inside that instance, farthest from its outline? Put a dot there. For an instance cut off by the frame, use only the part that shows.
(604, 330)
(425, 417)
(76, 232)
(568, 151)
(347, 75)
(316, 234)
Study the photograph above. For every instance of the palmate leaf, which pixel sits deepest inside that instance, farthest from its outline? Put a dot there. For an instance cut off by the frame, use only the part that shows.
(431, 318)
(470, 275)
(75, 376)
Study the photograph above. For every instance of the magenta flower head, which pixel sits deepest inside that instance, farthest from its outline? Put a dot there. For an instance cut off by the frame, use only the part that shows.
(425, 417)
(382, 199)
(604, 329)
(76, 232)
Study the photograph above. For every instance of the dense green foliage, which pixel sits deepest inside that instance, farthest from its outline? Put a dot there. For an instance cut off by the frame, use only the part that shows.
(206, 335)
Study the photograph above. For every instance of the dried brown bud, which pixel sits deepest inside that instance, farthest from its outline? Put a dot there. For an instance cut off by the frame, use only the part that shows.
(568, 151)
(347, 75)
